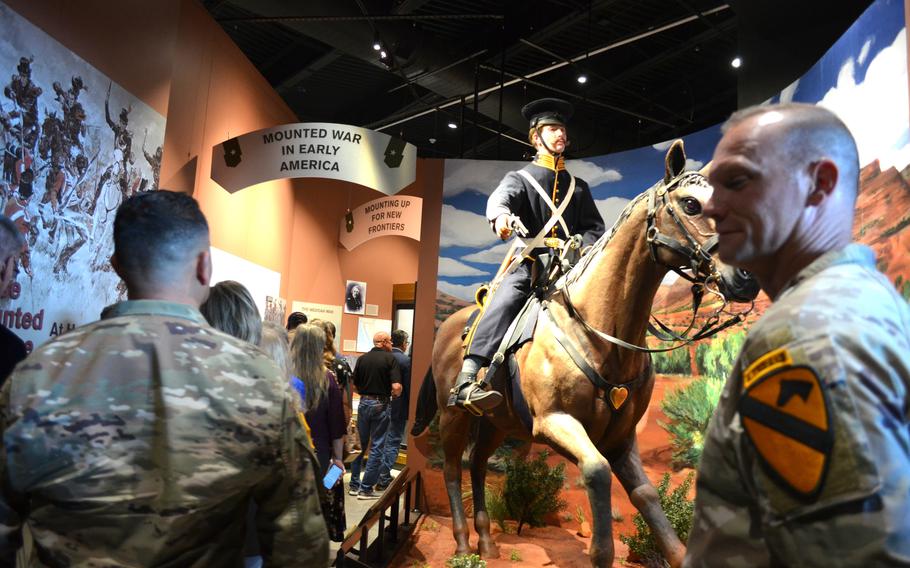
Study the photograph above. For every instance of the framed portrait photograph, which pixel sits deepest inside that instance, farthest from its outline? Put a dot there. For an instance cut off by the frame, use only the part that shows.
(355, 297)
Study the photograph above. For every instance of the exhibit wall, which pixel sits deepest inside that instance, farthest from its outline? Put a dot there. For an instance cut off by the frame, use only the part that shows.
(187, 87)
(75, 144)
(863, 78)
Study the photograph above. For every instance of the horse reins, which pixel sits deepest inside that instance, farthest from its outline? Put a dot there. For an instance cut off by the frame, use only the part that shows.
(700, 262)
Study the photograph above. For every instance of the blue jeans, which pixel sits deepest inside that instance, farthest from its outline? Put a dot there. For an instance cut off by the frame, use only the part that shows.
(372, 424)
(390, 452)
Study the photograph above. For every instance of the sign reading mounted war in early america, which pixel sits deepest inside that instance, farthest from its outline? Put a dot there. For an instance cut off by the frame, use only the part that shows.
(315, 150)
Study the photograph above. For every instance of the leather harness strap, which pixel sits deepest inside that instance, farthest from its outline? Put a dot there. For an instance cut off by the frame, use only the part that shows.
(580, 360)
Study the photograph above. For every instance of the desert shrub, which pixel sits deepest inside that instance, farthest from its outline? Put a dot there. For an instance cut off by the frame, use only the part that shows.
(676, 362)
(689, 410)
(679, 510)
(466, 561)
(508, 448)
(531, 490)
(496, 507)
(715, 358)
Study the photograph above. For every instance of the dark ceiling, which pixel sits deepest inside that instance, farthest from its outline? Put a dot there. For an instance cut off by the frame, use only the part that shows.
(655, 69)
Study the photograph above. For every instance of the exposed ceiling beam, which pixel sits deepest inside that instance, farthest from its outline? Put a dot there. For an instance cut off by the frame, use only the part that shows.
(309, 70)
(380, 125)
(363, 18)
(605, 79)
(585, 99)
(678, 51)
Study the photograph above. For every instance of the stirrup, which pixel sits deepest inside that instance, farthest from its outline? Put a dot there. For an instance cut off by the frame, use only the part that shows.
(462, 381)
(470, 394)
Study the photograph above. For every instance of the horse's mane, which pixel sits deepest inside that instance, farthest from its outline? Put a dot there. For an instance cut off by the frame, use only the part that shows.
(601, 243)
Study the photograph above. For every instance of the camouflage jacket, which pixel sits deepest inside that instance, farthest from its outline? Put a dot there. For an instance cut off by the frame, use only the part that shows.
(139, 440)
(807, 458)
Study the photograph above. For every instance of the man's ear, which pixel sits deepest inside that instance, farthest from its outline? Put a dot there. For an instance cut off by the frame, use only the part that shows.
(204, 267)
(824, 177)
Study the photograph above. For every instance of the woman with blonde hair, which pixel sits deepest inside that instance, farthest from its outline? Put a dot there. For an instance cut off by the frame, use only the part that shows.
(322, 404)
(231, 309)
(275, 344)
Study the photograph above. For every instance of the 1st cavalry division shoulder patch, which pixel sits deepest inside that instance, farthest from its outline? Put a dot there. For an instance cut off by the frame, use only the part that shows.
(785, 415)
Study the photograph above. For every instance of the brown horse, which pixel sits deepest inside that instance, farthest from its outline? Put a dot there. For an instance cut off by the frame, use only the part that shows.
(612, 291)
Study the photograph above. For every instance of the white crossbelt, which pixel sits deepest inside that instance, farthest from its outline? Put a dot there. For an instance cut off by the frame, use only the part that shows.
(555, 218)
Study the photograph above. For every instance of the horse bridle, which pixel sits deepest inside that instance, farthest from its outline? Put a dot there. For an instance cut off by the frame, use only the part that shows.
(698, 255)
(704, 271)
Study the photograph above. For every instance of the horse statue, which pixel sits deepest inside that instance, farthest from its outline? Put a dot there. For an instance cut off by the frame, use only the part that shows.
(585, 380)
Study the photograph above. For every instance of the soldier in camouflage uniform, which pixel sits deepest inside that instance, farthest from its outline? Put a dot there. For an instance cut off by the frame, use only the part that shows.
(807, 456)
(138, 440)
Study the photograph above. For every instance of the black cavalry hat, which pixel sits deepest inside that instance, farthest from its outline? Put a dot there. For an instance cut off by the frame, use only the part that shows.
(547, 111)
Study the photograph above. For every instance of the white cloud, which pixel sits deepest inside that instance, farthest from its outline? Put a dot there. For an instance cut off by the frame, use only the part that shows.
(479, 175)
(610, 209)
(592, 173)
(493, 255)
(864, 52)
(663, 146)
(786, 96)
(693, 165)
(464, 228)
(451, 267)
(876, 110)
(461, 291)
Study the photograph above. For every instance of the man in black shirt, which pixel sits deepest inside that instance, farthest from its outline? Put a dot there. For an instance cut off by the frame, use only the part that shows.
(377, 379)
(12, 349)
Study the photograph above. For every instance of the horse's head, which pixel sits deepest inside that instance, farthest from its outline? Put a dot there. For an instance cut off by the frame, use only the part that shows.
(682, 238)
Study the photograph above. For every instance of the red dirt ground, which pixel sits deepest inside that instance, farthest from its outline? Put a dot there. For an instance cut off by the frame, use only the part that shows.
(556, 545)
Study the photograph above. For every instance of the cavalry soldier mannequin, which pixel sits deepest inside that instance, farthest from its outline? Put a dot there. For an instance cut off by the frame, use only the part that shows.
(518, 204)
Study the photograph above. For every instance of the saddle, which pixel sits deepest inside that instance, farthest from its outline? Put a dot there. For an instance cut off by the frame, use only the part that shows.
(545, 283)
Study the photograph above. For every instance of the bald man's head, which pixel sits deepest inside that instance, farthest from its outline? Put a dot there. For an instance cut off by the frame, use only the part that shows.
(382, 340)
(785, 181)
(807, 133)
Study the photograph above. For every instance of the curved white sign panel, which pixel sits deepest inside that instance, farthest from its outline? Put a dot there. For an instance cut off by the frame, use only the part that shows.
(383, 217)
(315, 150)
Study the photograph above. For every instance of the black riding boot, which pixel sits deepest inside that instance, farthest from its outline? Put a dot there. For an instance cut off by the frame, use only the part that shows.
(473, 395)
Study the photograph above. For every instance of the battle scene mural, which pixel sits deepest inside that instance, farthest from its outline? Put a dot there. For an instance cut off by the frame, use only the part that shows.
(75, 145)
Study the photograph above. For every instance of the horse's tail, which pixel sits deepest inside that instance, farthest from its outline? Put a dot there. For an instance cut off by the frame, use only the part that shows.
(426, 404)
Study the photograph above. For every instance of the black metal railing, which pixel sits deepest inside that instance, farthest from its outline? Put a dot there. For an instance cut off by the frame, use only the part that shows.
(358, 550)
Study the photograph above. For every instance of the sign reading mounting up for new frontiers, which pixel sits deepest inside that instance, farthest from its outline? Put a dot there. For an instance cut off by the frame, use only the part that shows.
(315, 150)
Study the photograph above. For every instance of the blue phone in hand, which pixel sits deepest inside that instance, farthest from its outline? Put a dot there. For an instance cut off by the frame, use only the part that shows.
(331, 476)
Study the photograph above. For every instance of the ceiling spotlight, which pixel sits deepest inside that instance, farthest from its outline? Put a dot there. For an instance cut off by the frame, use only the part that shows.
(736, 63)
(453, 126)
(582, 79)
(376, 45)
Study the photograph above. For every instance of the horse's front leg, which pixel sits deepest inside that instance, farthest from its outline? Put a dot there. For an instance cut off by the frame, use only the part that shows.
(566, 433)
(454, 427)
(488, 439)
(627, 467)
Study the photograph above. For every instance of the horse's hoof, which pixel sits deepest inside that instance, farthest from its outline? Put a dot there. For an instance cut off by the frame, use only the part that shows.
(487, 549)
(601, 558)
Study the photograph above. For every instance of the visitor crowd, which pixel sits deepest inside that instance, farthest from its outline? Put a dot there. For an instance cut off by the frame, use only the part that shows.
(179, 429)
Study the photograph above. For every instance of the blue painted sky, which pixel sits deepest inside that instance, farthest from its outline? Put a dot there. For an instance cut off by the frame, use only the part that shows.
(863, 78)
